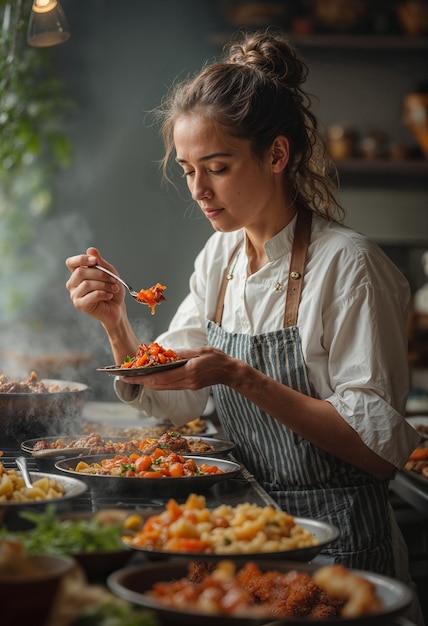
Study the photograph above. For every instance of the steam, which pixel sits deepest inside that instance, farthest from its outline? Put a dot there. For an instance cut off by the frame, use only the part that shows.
(46, 333)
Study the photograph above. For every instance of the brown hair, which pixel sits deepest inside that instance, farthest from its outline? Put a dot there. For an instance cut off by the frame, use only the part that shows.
(256, 93)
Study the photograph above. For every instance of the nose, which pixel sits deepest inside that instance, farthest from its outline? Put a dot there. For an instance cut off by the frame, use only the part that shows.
(199, 188)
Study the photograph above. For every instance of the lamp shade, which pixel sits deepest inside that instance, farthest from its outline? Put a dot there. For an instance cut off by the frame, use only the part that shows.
(48, 24)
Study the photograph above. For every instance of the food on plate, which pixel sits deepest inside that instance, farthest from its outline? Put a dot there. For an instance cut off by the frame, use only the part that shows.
(95, 444)
(418, 462)
(358, 593)
(32, 384)
(160, 464)
(13, 489)
(421, 429)
(197, 426)
(330, 593)
(151, 355)
(13, 561)
(152, 297)
(244, 529)
(52, 535)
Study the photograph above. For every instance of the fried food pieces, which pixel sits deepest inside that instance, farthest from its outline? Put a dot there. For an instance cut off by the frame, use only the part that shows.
(331, 592)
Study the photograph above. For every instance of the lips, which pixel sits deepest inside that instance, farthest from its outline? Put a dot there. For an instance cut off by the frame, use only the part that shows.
(211, 213)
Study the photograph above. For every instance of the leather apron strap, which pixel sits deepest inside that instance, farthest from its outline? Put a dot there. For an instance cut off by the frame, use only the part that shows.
(301, 240)
(302, 236)
(226, 278)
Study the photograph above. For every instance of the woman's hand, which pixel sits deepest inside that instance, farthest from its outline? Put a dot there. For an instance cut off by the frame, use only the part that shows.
(93, 291)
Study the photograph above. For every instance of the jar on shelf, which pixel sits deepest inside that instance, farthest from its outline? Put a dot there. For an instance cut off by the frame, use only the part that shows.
(341, 141)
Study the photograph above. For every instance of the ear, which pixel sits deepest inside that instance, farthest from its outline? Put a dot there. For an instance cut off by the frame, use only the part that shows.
(280, 152)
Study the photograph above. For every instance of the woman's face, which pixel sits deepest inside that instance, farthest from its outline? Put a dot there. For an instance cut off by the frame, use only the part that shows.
(233, 189)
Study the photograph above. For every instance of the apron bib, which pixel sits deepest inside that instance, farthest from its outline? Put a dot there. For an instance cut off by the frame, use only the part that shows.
(302, 479)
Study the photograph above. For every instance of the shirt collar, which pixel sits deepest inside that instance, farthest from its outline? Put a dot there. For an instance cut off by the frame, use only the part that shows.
(282, 242)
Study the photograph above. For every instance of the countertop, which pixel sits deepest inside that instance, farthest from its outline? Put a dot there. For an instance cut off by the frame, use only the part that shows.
(243, 488)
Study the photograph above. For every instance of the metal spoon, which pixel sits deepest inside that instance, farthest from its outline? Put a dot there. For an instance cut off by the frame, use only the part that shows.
(132, 291)
(21, 462)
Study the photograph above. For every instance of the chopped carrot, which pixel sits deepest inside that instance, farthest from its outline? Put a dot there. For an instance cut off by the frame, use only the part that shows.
(419, 454)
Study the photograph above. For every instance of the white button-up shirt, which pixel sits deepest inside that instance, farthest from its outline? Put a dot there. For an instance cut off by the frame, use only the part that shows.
(352, 319)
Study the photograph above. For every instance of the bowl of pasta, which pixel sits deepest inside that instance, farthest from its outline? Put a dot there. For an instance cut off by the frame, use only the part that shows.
(247, 530)
(16, 498)
(38, 407)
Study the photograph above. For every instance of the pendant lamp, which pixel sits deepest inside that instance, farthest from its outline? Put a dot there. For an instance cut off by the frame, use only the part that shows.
(47, 25)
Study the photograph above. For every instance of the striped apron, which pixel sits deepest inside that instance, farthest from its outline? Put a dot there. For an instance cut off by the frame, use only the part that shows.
(302, 479)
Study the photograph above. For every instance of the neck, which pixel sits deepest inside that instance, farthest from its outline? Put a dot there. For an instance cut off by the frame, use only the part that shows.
(256, 240)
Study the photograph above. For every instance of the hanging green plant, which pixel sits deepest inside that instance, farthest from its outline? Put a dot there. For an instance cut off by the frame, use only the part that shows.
(33, 147)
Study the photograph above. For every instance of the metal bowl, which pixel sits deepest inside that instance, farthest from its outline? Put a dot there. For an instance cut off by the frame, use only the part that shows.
(134, 582)
(148, 487)
(10, 512)
(29, 415)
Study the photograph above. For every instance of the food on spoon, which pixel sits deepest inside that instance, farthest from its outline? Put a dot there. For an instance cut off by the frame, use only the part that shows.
(152, 297)
(151, 355)
(244, 529)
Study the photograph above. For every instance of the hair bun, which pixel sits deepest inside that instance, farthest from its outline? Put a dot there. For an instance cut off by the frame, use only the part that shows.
(271, 54)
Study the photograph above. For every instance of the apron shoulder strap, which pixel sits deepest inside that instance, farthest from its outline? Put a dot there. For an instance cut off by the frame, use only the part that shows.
(302, 236)
(227, 276)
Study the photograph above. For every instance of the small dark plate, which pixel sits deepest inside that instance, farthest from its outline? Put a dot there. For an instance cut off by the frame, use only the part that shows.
(134, 582)
(98, 565)
(117, 370)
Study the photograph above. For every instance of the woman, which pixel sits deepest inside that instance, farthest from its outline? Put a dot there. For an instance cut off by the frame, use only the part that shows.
(294, 322)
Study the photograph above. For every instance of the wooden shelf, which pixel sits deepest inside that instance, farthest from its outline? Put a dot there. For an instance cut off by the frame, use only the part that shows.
(368, 42)
(361, 42)
(403, 168)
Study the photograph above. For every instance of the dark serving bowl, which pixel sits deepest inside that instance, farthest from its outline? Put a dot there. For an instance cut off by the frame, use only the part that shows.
(28, 415)
(29, 598)
(150, 487)
(134, 582)
(98, 565)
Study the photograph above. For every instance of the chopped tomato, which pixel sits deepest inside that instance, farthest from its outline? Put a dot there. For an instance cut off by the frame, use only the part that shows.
(150, 355)
(141, 360)
(152, 297)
